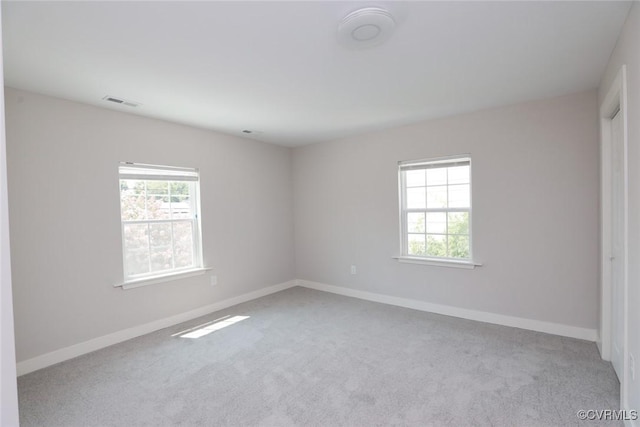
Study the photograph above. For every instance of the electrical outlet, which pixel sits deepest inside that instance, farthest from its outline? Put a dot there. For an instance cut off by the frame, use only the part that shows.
(632, 366)
(353, 269)
(214, 280)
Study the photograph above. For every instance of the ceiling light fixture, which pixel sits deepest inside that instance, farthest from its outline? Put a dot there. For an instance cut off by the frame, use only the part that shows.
(366, 27)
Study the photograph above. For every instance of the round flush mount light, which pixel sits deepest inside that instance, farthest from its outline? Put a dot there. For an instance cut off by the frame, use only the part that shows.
(366, 27)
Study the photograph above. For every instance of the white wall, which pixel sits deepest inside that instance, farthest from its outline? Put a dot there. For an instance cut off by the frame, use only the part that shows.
(535, 211)
(627, 52)
(8, 387)
(65, 227)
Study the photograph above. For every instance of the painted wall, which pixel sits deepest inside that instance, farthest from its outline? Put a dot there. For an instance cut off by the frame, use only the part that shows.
(627, 52)
(535, 211)
(65, 220)
(8, 387)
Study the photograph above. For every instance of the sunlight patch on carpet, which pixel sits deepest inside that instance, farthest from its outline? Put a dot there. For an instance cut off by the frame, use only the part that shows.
(209, 327)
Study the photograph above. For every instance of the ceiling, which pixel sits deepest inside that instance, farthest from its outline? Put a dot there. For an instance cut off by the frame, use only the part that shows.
(277, 68)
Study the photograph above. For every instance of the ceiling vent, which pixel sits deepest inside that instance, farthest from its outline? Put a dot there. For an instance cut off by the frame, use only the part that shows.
(120, 101)
(366, 27)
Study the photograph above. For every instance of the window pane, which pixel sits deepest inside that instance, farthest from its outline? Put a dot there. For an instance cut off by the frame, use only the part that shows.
(132, 206)
(437, 222)
(183, 242)
(161, 258)
(181, 207)
(414, 178)
(137, 262)
(437, 176)
(158, 188)
(436, 245)
(416, 244)
(437, 197)
(157, 199)
(415, 222)
(161, 249)
(135, 236)
(179, 188)
(136, 248)
(458, 174)
(459, 196)
(157, 208)
(416, 198)
(458, 223)
(459, 246)
(160, 234)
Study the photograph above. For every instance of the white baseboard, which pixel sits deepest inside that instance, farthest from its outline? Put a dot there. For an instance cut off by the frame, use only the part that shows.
(57, 356)
(480, 316)
(603, 354)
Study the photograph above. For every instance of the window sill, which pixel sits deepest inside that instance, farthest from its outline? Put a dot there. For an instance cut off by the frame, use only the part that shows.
(163, 278)
(438, 262)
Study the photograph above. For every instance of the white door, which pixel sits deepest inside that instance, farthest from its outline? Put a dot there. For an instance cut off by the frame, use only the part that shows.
(617, 245)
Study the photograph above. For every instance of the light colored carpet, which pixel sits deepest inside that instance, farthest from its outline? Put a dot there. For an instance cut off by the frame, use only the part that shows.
(310, 358)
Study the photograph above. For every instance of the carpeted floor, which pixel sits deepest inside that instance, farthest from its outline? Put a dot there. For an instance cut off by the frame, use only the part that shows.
(310, 358)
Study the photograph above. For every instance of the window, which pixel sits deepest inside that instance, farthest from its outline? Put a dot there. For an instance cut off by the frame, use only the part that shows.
(159, 208)
(435, 204)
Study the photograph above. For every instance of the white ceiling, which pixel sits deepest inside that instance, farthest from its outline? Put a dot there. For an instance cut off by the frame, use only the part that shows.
(276, 67)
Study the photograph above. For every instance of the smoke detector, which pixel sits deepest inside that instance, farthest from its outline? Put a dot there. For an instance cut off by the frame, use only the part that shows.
(366, 27)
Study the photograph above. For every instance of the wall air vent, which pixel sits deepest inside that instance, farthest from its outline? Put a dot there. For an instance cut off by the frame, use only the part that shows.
(120, 101)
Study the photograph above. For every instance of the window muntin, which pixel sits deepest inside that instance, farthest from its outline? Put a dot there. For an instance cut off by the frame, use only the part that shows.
(435, 205)
(159, 208)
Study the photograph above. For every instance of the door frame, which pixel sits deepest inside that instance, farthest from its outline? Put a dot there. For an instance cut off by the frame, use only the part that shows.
(614, 101)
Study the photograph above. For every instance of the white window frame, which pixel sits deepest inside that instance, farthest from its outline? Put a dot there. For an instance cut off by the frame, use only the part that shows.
(403, 211)
(146, 172)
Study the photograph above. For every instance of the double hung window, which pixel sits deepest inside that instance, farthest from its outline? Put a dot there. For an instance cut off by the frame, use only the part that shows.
(159, 208)
(435, 208)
